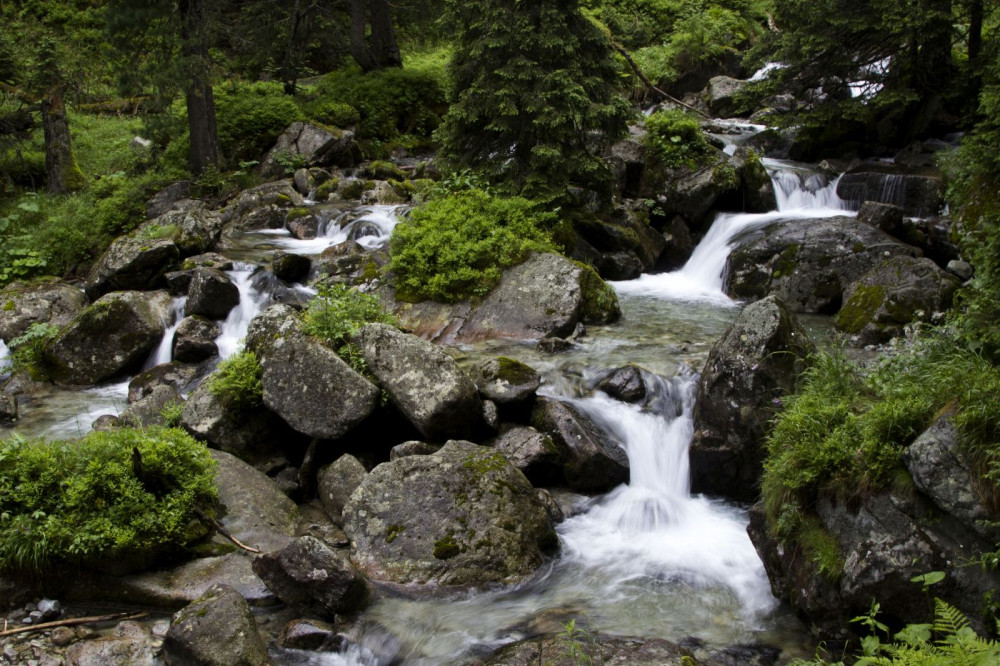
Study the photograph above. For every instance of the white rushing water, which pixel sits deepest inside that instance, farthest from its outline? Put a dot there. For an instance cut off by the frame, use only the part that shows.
(252, 301)
(4, 357)
(801, 193)
(164, 352)
(372, 229)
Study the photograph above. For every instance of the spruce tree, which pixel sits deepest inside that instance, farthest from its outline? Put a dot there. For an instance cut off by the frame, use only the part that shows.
(535, 95)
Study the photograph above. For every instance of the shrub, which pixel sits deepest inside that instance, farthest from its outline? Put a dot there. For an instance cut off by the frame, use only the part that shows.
(327, 112)
(457, 246)
(250, 117)
(237, 382)
(675, 139)
(337, 312)
(111, 499)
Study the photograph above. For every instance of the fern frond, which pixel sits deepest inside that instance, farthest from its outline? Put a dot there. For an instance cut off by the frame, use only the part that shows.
(948, 620)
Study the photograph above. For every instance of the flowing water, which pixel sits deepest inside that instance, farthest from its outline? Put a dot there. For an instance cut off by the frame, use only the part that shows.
(164, 352)
(4, 359)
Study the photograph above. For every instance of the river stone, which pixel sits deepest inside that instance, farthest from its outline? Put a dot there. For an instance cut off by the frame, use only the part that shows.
(178, 375)
(625, 384)
(532, 453)
(546, 296)
(721, 95)
(422, 381)
(887, 217)
(273, 323)
(942, 472)
(218, 629)
(507, 381)
(194, 230)
(461, 516)
(412, 448)
(302, 224)
(694, 193)
(336, 483)
(8, 408)
(592, 461)
(308, 635)
(313, 390)
(261, 207)
(132, 262)
(129, 644)
(42, 301)
(918, 194)
(560, 650)
(312, 577)
(149, 410)
(752, 366)
(194, 340)
(256, 512)
(808, 263)
(312, 145)
(111, 337)
(622, 235)
(289, 266)
(211, 294)
(899, 291)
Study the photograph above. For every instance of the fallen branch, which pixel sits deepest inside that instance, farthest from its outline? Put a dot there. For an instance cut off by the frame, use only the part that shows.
(642, 77)
(72, 621)
(223, 531)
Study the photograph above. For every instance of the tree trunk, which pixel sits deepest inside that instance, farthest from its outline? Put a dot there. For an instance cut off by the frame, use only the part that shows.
(290, 72)
(383, 46)
(359, 41)
(60, 167)
(975, 33)
(198, 89)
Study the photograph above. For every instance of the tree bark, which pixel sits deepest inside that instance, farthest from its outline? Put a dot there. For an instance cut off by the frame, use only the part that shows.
(289, 72)
(61, 171)
(359, 41)
(975, 32)
(384, 47)
(198, 90)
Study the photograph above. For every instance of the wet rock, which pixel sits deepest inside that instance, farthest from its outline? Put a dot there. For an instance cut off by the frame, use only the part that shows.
(553, 345)
(8, 408)
(752, 366)
(344, 260)
(961, 269)
(178, 375)
(112, 336)
(312, 145)
(423, 382)
(193, 230)
(808, 263)
(623, 265)
(302, 224)
(261, 207)
(133, 262)
(887, 217)
(625, 384)
(563, 651)
(308, 635)
(622, 241)
(309, 575)
(532, 453)
(695, 193)
(477, 520)
(50, 609)
(898, 292)
(38, 302)
(194, 340)
(412, 448)
(289, 266)
(62, 636)
(149, 410)
(217, 629)
(933, 236)
(128, 644)
(211, 294)
(507, 382)
(337, 482)
(164, 200)
(721, 95)
(592, 462)
(256, 512)
(919, 194)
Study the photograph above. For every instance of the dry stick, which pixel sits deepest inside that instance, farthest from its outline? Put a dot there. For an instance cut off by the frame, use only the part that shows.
(71, 621)
(223, 531)
(635, 68)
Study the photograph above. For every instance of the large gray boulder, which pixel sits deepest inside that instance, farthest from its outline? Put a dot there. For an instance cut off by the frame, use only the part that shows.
(137, 261)
(193, 229)
(721, 95)
(312, 577)
(808, 263)
(533, 453)
(148, 411)
(211, 294)
(919, 194)
(423, 382)
(621, 240)
(749, 369)
(507, 382)
(194, 340)
(592, 461)
(112, 336)
(337, 482)
(461, 516)
(898, 291)
(694, 193)
(313, 146)
(128, 644)
(42, 301)
(218, 629)
(261, 207)
(309, 386)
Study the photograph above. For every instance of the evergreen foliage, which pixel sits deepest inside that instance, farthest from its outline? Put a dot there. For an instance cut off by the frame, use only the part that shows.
(535, 96)
(337, 312)
(675, 139)
(237, 382)
(122, 498)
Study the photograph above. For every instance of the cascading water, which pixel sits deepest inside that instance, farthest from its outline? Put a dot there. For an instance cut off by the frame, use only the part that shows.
(164, 352)
(252, 301)
(4, 358)
(800, 192)
(371, 229)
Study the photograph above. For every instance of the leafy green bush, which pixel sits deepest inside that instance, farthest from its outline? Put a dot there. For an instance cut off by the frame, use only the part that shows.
(337, 312)
(328, 112)
(458, 246)
(676, 140)
(111, 500)
(250, 117)
(237, 382)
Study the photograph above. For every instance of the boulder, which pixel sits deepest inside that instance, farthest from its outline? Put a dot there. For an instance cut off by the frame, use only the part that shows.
(961, 269)
(111, 337)
(42, 301)
(919, 194)
(312, 577)
(181, 376)
(562, 650)
(422, 381)
(461, 516)
(301, 223)
(933, 236)
(194, 340)
(592, 461)
(271, 324)
(255, 511)
(128, 644)
(217, 629)
(8, 408)
(884, 216)
(625, 384)
(149, 410)
(622, 234)
(695, 193)
(165, 200)
(899, 291)
(808, 263)
(308, 635)
(309, 386)
(261, 207)
(506, 381)
(134, 261)
(752, 366)
(721, 95)
(193, 230)
(532, 453)
(211, 294)
(337, 482)
(311, 145)
(412, 448)
(289, 266)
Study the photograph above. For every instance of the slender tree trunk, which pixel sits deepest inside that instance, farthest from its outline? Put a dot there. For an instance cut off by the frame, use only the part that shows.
(975, 32)
(60, 167)
(359, 41)
(384, 47)
(289, 72)
(198, 89)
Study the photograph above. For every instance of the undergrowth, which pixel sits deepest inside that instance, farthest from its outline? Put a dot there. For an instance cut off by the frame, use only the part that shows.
(337, 312)
(237, 382)
(675, 139)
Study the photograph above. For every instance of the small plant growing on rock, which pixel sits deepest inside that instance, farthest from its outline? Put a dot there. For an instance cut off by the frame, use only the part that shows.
(337, 313)
(676, 140)
(237, 382)
(27, 349)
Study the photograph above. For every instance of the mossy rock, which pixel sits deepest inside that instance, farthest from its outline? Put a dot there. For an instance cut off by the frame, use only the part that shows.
(600, 301)
(383, 170)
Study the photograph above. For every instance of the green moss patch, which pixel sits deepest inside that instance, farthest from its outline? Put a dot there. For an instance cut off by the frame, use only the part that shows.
(860, 308)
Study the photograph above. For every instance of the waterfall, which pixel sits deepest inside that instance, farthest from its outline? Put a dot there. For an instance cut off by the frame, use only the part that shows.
(372, 229)
(164, 353)
(4, 358)
(252, 301)
(800, 192)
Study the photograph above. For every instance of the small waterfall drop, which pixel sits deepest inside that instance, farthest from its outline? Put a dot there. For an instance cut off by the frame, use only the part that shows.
(800, 192)
(252, 301)
(4, 358)
(371, 229)
(164, 353)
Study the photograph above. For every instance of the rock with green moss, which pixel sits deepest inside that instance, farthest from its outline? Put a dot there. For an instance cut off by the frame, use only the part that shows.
(459, 517)
(217, 629)
(302, 223)
(211, 293)
(111, 337)
(898, 292)
(261, 207)
(353, 188)
(532, 452)
(507, 381)
(620, 239)
(306, 145)
(46, 300)
(695, 192)
(194, 230)
(133, 262)
(383, 170)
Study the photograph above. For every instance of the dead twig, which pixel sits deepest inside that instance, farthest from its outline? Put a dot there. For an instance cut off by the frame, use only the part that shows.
(70, 622)
(223, 531)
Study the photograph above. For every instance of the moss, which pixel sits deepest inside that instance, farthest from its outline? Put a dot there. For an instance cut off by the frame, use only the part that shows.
(282, 200)
(724, 176)
(860, 308)
(393, 531)
(8, 306)
(786, 263)
(822, 550)
(446, 547)
(324, 191)
(484, 463)
(355, 188)
(514, 372)
(383, 170)
(297, 213)
(600, 302)
(370, 271)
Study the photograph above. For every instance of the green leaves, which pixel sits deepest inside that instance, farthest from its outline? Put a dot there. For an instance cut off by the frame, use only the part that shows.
(237, 382)
(337, 312)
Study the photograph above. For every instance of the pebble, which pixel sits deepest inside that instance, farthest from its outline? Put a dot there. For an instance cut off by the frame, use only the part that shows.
(36, 616)
(50, 608)
(62, 636)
